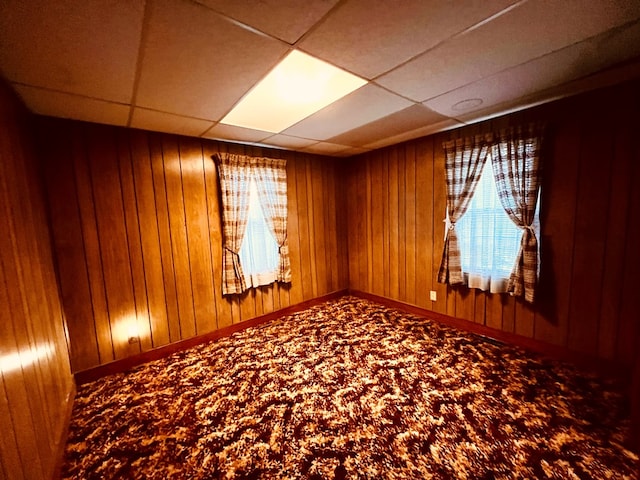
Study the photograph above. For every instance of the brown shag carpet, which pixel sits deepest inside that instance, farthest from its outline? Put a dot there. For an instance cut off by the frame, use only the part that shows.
(349, 389)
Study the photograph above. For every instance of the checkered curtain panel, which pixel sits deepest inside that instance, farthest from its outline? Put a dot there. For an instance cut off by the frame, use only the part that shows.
(271, 179)
(515, 158)
(235, 173)
(464, 161)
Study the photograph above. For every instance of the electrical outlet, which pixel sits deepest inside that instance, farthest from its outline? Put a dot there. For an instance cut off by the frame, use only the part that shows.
(433, 295)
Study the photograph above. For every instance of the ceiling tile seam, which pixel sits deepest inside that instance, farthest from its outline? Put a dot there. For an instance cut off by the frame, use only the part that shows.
(208, 128)
(71, 94)
(319, 23)
(252, 87)
(605, 33)
(144, 34)
(533, 99)
(393, 92)
(240, 24)
(293, 136)
(460, 33)
(190, 117)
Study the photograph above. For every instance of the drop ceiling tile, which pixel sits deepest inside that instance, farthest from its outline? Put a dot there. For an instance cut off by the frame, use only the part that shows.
(325, 148)
(371, 37)
(530, 30)
(416, 116)
(441, 126)
(84, 47)
(352, 151)
(287, 141)
(240, 134)
(168, 122)
(284, 19)
(559, 67)
(64, 105)
(198, 64)
(365, 105)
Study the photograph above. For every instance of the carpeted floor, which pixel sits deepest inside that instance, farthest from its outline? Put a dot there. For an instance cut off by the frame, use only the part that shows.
(349, 389)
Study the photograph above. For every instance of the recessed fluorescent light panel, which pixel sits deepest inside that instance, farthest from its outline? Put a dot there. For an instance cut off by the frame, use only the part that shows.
(297, 87)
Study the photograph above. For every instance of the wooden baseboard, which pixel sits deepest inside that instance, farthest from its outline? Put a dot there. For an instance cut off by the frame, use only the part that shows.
(583, 361)
(124, 364)
(64, 432)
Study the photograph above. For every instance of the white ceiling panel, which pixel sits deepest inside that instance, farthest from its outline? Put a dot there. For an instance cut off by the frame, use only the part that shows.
(231, 132)
(85, 47)
(363, 106)
(408, 119)
(325, 148)
(369, 37)
(181, 65)
(197, 64)
(284, 19)
(443, 125)
(286, 141)
(47, 102)
(530, 30)
(557, 68)
(167, 122)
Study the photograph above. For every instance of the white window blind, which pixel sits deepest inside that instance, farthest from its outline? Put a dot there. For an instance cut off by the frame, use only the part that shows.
(489, 241)
(259, 250)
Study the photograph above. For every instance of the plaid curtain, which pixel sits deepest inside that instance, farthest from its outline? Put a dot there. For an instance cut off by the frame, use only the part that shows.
(235, 173)
(271, 179)
(464, 161)
(516, 168)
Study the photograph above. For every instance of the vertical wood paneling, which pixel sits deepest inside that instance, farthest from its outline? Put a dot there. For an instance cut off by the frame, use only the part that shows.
(590, 236)
(439, 206)
(162, 219)
(394, 214)
(112, 237)
(353, 212)
(410, 223)
(617, 231)
(147, 237)
(91, 241)
(35, 378)
(143, 327)
(299, 169)
(589, 223)
(424, 221)
(376, 226)
(295, 292)
(68, 233)
(224, 315)
(195, 211)
(628, 328)
(316, 185)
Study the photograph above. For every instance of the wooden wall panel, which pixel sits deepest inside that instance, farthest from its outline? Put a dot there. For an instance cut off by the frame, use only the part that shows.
(137, 233)
(35, 380)
(589, 216)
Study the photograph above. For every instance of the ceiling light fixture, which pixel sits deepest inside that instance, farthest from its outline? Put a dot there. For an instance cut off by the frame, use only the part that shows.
(297, 87)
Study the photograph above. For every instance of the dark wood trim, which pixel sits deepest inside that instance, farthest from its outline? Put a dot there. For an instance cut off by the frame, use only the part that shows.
(117, 366)
(64, 432)
(581, 360)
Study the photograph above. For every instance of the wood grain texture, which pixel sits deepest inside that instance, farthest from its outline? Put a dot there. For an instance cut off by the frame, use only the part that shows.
(589, 226)
(137, 235)
(35, 378)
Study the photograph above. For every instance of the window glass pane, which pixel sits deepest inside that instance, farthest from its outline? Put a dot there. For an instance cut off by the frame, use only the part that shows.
(259, 250)
(489, 241)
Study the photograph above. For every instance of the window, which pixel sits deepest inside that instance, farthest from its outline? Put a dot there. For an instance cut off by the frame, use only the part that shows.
(259, 251)
(253, 192)
(486, 174)
(489, 240)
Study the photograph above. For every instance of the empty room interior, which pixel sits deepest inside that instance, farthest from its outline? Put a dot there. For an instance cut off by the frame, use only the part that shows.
(320, 239)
